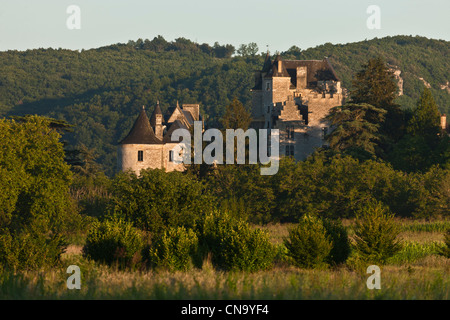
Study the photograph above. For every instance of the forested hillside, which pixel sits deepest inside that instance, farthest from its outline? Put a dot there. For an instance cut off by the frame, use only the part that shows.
(100, 91)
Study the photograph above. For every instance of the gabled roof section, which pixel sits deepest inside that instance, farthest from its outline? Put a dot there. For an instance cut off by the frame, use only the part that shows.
(177, 124)
(175, 113)
(189, 117)
(141, 132)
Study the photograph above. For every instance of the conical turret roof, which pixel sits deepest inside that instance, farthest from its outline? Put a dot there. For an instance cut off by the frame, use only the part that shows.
(141, 132)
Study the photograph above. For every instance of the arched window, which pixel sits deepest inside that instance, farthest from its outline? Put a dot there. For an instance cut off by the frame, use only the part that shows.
(140, 155)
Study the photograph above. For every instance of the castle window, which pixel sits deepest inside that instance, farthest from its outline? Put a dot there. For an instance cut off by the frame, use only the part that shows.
(324, 132)
(290, 150)
(171, 156)
(290, 132)
(267, 86)
(140, 155)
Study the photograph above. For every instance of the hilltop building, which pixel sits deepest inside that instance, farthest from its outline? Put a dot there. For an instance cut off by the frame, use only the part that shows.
(149, 143)
(295, 96)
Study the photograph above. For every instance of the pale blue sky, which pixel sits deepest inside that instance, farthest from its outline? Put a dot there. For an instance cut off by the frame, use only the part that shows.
(27, 24)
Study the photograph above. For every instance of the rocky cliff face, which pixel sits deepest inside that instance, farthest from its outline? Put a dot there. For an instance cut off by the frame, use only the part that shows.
(445, 87)
(396, 71)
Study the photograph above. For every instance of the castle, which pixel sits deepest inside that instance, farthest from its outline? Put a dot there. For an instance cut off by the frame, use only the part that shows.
(149, 143)
(295, 96)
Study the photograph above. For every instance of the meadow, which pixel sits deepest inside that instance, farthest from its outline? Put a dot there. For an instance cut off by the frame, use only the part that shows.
(416, 272)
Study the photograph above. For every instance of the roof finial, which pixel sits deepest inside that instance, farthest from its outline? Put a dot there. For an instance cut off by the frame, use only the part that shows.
(178, 104)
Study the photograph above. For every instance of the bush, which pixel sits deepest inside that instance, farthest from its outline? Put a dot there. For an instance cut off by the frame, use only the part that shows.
(114, 241)
(376, 233)
(174, 249)
(234, 244)
(157, 199)
(445, 250)
(308, 244)
(338, 235)
(30, 250)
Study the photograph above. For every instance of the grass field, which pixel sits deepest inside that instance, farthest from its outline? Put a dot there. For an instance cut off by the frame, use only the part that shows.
(416, 272)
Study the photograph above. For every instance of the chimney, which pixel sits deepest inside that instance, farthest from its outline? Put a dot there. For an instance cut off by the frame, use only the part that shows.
(444, 122)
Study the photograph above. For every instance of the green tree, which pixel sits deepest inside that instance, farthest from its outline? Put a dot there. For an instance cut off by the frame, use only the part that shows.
(426, 117)
(35, 206)
(236, 117)
(308, 244)
(356, 128)
(376, 233)
(374, 84)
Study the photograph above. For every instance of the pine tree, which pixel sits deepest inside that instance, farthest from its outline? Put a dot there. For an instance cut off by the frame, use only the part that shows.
(357, 128)
(375, 85)
(426, 118)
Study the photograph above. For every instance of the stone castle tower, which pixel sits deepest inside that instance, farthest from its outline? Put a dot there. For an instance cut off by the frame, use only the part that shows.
(149, 143)
(295, 96)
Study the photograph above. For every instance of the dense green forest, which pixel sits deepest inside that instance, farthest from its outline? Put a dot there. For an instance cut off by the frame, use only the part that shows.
(382, 162)
(100, 91)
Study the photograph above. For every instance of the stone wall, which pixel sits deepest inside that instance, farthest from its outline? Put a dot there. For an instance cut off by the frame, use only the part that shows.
(128, 157)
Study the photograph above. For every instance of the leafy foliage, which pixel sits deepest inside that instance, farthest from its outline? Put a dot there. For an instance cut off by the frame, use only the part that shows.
(234, 245)
(156, 200)
(114, 241)
(174, 249)
(35, 207)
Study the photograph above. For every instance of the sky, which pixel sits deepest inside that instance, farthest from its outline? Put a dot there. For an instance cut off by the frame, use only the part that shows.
(276, 25)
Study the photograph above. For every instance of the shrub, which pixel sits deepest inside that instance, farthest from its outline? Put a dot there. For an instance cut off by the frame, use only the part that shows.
(30, 250)
(338, 235)
(157, 199)
(174, 249)
(114, 241)
(234, 244)
(376, 233)
(445, 250)
(308, 244)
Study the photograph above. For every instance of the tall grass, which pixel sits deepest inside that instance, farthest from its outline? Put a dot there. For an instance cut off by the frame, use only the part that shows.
(412, 251)
(285, 283)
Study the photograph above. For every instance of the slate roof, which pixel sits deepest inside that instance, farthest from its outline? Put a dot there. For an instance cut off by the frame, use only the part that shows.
(177, 124)
(141, 132)
(274, 72)
(317, 70)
